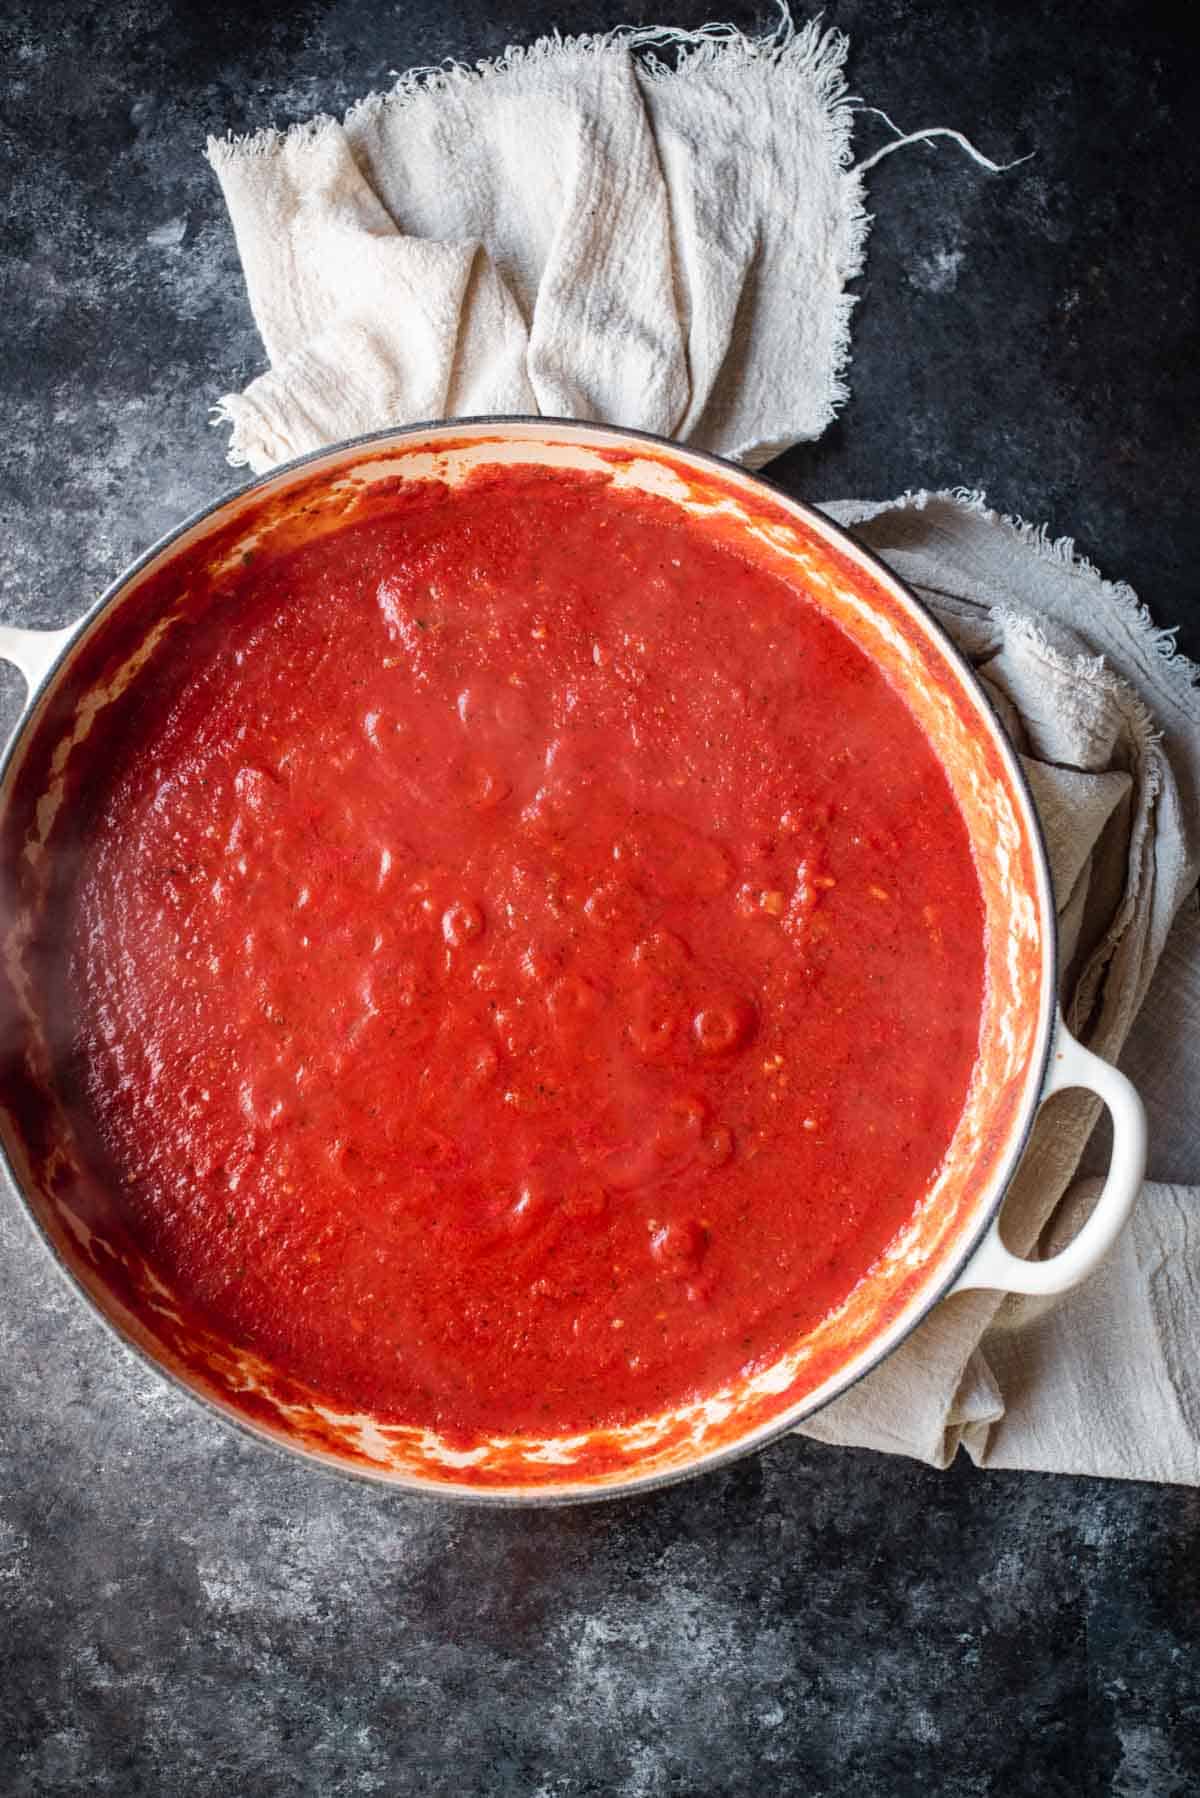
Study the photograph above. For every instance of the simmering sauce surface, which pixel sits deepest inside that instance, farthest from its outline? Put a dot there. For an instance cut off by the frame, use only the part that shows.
(527, 965)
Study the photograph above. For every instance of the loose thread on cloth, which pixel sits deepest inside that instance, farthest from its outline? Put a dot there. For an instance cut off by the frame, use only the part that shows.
(905, 138)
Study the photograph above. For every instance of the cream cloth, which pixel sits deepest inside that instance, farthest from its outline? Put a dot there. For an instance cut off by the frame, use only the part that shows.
(1105, 1379)
(579, 231)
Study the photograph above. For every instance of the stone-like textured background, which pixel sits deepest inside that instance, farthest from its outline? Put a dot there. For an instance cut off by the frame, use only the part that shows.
(184, 1614)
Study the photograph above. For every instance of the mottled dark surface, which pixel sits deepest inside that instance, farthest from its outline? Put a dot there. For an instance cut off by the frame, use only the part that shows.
(184, 1613)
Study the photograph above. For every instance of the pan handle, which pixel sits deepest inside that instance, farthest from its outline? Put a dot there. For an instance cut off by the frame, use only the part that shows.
(33, 652)
(994, 1267)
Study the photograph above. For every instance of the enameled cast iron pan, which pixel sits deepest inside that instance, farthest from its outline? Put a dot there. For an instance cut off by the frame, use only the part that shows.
(1026, 1052)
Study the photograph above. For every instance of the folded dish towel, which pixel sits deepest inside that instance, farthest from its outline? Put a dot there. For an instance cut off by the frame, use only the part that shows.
(579, 230)
(1105, 1379)
(576, 230)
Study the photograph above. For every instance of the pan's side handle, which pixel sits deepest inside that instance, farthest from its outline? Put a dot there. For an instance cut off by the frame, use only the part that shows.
(34, 653)
(992, 1266)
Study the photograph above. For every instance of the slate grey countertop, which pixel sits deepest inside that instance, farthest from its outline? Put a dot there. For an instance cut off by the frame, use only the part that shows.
(185, 1613)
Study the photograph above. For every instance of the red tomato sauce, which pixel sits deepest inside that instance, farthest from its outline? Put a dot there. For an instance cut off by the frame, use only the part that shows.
(527, 961)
